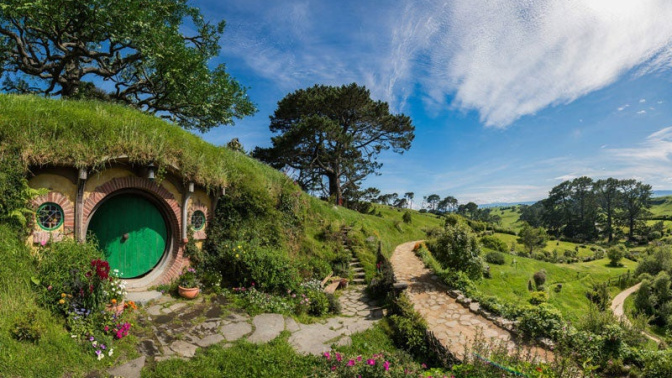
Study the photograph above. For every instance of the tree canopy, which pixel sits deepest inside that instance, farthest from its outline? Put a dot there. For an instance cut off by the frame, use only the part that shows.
(332, 136)
(128, 51)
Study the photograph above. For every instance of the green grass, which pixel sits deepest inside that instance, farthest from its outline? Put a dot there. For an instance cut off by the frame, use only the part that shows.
(509, 218)
(509, 282)
(661, 206)
(551, 245)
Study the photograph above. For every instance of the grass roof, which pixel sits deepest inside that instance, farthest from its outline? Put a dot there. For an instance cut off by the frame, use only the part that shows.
(92, 134)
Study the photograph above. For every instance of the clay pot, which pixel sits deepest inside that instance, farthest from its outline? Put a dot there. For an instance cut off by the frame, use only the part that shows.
(188, 292)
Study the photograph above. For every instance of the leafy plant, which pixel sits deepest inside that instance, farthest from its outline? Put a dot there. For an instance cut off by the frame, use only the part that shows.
(495, 258)
(188, 278)
(27, 327)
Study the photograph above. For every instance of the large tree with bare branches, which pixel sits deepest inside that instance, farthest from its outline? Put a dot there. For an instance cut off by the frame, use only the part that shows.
(332, 136)
(136, 52)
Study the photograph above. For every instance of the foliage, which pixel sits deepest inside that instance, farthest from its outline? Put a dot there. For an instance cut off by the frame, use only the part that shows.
(409, 329)
(244, 263)
(538, 297)
(539, 279)
(457, 247)
(334, 364)
(14, 190)
(532, 238)
(495, 258)
(26, 327)
(493, 242)
(407, 217)
(137, 45)
(256, 302)
(615, 254)
(188, 278)
(654, 299)
(334, 133)
(599, 295)
(543, 320)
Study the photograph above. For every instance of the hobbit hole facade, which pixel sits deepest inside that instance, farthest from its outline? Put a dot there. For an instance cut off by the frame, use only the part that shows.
(140, 223)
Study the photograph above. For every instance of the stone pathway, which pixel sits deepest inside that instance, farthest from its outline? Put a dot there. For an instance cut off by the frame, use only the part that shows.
(179, 328)
(453, 325)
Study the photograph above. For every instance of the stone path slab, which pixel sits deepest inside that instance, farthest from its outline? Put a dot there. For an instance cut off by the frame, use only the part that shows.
(266, 328)
(453, 325)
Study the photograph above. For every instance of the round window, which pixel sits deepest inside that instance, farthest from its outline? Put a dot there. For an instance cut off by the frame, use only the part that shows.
(198, 220)
(49, 216)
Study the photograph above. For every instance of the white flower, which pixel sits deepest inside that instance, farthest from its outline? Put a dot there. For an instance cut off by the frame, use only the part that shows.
(110, 352)
(94, 344)
(73, 336)
(100, 356)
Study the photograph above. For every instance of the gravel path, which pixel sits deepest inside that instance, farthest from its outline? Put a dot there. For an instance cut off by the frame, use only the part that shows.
(617, 308)
(453, 324)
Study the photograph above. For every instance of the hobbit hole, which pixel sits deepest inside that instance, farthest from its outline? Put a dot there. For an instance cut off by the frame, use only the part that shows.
(139, 223)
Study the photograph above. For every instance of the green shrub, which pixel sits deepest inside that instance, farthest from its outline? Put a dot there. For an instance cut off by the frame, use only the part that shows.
(407, 218)
(409, 329)
(538, 297)
(539, 278)
(495, 258)
(495, 243)
(543, 320)
(26, 327)
(319, 303)
(615, 254)
(457, 248)
(243, 264)
(334, 304)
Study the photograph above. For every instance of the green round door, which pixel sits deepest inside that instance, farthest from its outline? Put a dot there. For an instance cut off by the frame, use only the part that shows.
(131, 232)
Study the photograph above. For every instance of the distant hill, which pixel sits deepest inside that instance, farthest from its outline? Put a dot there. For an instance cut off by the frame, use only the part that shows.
(662, 193)
(506, 204)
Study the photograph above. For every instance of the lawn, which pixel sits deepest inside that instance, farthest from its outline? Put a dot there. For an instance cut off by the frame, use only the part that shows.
(560, 246)
(509, 218)
(509, 281)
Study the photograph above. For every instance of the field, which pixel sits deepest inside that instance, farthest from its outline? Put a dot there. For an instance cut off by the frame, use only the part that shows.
(509, 281)
(560, 246)
(509, 217)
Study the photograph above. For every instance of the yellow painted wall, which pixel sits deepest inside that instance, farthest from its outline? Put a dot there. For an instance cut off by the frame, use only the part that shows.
(202, 197)
(169, 186)
(99, 178)
(55, 183)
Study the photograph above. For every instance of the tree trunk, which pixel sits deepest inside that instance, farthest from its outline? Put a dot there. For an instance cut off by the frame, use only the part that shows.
(609, 229)
(631, 224)
(335, 188)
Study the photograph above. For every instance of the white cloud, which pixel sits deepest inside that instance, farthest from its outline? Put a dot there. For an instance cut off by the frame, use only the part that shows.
(656, 149)
(642, 101)
(641, 112)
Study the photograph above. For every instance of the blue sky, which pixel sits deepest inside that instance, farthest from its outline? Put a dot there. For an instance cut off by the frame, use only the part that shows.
(509, 98)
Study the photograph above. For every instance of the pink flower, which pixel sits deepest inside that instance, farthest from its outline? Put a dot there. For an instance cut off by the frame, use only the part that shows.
(49, 287)
(333, 368)
(359, 358)
(351, 363)
(338, 357)
(106, 328)
(252, 283)
(424, 366)
(327, 355)
(371, 361)
(386, 365)
(43, 243)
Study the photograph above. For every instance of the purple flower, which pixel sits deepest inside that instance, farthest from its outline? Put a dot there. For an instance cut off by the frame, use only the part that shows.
(351, 363)
(91, 338)
(386, 365)
(371, 361)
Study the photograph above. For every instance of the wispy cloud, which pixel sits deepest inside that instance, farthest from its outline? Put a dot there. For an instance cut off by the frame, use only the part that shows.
(504, 59)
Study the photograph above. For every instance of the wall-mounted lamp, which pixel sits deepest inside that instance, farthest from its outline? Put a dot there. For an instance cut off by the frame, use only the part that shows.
(191, 187)
(150, 171)
(83, 175)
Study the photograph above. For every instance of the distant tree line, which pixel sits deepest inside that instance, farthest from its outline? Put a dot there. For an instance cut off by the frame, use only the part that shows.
(584, 209)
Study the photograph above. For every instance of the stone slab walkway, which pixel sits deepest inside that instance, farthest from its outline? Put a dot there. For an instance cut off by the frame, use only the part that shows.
(176, 329)
(453, 325)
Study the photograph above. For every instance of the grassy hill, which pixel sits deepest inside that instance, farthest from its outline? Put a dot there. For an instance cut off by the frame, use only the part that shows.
(40, 131)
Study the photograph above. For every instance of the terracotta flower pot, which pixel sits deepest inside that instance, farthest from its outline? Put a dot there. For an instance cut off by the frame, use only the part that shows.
(117, 309)
(188, 292)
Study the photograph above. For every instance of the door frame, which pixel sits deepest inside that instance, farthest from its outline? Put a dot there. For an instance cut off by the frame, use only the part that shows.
(171, 246)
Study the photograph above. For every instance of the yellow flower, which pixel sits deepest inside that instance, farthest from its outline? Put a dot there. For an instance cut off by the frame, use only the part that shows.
(237, 256)
(63, 295)
(239, 247)
(62, 301)
(69, 295)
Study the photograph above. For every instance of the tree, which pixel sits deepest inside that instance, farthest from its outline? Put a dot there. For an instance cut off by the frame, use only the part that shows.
(532, 238)
(432, 201)
(334, 133)
(409, 196)
(615, 254)
(635, 202)
(457, 247)
(53, 47)
(447, 204)
(607, 196)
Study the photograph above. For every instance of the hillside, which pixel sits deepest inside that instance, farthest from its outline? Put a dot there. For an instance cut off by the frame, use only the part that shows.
(275, 213)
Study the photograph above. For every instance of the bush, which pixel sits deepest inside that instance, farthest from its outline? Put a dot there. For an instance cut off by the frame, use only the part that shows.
(319, 303)
(538, 297)
(540, 321)
(409, 329)
(27, 328)
(243, 263)
(539, 278)
(615, 254)
(457, 248)
(494, 242)
(407, 217)
(495, 258)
